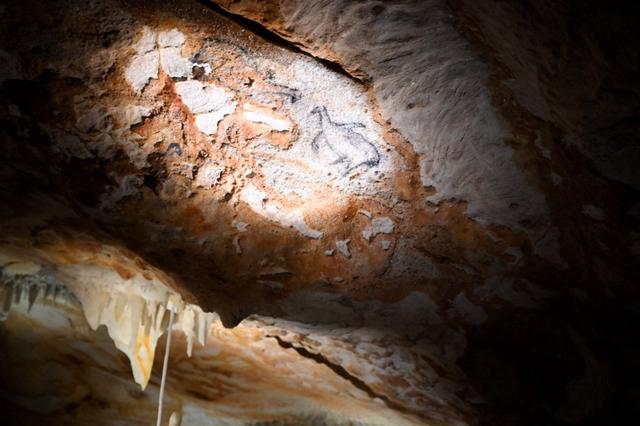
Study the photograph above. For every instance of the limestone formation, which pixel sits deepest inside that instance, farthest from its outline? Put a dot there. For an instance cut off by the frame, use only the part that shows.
(409, 212)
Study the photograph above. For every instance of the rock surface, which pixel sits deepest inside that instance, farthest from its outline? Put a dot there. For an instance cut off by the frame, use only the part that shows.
(393, 204)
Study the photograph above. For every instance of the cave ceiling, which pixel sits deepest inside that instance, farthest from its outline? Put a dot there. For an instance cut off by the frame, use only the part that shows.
(354, 212)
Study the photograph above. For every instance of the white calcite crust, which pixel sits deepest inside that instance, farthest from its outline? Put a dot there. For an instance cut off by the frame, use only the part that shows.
(256, 115)
(144, 65)
(258, 201)
(208, 103)
(379, 225)
(162, 50)
(208, 175)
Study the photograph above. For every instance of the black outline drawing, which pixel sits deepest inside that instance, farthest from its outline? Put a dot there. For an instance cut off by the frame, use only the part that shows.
(346, 134)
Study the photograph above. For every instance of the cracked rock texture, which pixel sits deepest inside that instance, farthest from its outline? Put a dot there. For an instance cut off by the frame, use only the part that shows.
(360, 212)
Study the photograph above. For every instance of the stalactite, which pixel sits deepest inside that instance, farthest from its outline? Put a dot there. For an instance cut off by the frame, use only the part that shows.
(134, 323)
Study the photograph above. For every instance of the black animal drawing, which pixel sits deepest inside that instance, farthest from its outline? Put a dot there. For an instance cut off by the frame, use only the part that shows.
(351, 148)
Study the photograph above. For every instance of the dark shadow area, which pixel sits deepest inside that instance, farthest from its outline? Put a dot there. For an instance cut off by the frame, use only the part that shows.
(568, 363)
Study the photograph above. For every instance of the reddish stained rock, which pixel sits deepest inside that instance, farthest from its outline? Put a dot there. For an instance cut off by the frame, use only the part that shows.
(424, 209)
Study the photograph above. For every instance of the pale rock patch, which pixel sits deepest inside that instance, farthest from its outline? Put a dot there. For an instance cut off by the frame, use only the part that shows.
(240, 226)
(379, 225)
(343, 247)
(156, 50)
(171, 59)
(262, 116)
(208, 175)
(208, 103)
(257, 201)
(144, 65)
(236, 245)
(172, 38)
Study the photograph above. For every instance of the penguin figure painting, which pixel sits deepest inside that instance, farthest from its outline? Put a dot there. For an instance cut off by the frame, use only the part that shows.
(350, 147)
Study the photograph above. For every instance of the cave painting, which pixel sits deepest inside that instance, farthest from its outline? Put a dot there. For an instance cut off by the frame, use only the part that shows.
(299, 131)
(351, 148)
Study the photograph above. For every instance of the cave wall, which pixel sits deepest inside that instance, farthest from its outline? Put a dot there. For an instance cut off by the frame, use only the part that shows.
(429, 209)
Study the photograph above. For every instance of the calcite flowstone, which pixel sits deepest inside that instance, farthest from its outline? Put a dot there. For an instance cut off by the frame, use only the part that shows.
(227, 369)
